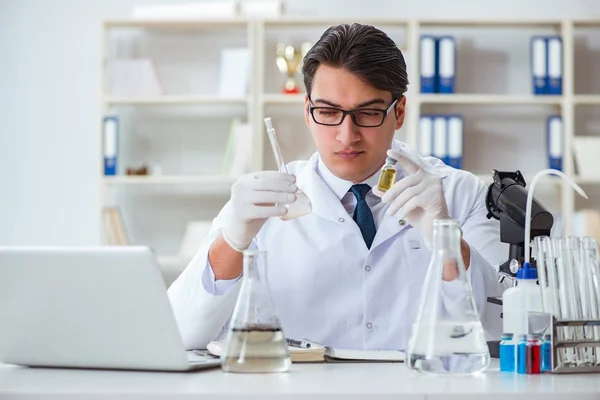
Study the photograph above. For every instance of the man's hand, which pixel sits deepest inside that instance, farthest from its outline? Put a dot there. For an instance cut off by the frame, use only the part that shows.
(419, 196)
(256, 197)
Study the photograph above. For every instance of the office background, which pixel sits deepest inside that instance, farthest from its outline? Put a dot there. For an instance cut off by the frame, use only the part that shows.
(51, 111)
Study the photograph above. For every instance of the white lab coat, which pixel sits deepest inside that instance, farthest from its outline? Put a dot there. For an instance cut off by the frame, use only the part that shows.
(328, 286)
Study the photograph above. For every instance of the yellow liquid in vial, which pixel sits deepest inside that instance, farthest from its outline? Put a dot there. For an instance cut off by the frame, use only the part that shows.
(386, 179)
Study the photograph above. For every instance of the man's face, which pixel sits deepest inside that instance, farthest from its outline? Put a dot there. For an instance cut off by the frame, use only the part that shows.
(349, 151)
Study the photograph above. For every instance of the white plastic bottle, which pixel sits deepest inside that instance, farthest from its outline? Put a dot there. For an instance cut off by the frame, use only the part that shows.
(518, 300)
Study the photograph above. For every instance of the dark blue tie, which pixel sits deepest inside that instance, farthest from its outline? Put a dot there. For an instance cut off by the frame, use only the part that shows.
(362, 213)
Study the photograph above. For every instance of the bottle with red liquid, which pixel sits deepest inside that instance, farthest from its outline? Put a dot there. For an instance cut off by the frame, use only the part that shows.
(534, 360)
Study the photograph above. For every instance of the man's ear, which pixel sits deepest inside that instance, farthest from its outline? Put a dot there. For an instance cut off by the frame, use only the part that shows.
(400, 111)
(306, 116)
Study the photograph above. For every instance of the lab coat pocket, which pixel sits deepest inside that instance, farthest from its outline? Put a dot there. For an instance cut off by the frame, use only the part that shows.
(418, 257)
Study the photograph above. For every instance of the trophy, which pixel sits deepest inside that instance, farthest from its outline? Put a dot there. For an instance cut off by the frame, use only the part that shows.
(289, 61)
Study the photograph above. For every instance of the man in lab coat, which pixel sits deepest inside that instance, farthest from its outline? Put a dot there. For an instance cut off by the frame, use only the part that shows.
(350, 273)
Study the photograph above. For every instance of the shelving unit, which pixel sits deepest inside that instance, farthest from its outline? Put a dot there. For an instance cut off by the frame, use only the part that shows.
(585, 39)
(168, 180)
(174, 100)
(491, 99)
(266, 99)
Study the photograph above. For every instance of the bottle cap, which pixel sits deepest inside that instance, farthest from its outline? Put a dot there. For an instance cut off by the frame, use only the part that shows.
(526, 272)
(533, 336)
(507, 336)
(391, 160)
(522, 337)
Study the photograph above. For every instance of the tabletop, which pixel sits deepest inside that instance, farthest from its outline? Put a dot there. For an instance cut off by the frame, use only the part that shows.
(313, 381)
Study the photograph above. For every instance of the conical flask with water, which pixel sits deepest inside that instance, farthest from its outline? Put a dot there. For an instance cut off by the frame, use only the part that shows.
(255, 341)
(447, 336)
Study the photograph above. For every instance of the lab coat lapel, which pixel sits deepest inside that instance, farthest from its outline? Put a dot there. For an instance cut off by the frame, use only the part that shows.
(389, 227)
(324, 201)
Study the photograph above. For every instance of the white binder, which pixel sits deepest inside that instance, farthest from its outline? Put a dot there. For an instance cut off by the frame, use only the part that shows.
(455, 141)
(440, 143)
(447, 64)
(539, 71)
(427, 64)
(425, 139)
(555, 64)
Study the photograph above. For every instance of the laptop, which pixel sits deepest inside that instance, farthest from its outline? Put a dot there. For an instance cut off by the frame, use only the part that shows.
(103, 307)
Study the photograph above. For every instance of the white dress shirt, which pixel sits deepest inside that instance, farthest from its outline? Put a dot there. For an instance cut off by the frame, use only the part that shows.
(341, 189)
(327, 285)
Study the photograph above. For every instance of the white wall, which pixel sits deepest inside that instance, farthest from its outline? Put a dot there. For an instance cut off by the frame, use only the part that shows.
(50, 109)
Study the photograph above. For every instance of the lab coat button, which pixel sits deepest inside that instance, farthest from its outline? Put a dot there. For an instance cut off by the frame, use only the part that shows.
(402, 222)
(368, 268)
(369, 325)
(341, 219)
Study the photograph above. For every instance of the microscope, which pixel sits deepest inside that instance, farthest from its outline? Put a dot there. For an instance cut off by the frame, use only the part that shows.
(506, 201)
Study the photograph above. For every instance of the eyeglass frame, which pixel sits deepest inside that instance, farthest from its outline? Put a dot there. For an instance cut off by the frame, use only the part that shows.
(311, 109)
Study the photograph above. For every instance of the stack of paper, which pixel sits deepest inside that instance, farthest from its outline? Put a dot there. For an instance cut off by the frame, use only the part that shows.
(329, 354)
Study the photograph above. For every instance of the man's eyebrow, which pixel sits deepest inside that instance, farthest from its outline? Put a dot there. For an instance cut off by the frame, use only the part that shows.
(327, 102)
(363, 104)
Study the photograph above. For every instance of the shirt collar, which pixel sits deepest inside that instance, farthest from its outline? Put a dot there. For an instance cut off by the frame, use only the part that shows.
(340, 186)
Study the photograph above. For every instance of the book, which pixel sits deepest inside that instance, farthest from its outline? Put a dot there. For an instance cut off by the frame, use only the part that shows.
(114, 227)
(320, 353)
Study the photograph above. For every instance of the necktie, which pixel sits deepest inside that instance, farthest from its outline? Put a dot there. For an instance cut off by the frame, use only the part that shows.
(362, 213)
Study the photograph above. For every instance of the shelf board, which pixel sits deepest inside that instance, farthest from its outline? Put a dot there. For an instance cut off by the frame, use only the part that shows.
(589, 23)
(174, 99)
(283, 98)
(587, 180)
(488, 99)
(175, 24)
(586, 99)
(490, 23)
(316, 22)
(168, 179)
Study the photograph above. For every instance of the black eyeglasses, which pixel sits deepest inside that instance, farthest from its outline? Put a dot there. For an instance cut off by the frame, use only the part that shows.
(363, 117)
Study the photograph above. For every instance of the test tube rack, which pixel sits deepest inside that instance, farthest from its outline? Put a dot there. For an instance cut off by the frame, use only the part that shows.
(556, 328)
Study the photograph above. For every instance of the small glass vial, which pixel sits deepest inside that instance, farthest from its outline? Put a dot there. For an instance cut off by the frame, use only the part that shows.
(534, 361)
(522, 355)
(547, 353)
(507, 353)
(388, 175)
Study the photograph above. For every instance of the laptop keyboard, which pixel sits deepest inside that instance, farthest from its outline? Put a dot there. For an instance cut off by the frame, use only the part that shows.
(200, 356)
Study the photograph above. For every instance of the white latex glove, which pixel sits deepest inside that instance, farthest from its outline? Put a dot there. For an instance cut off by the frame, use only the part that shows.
(419, 197)
(254, 198)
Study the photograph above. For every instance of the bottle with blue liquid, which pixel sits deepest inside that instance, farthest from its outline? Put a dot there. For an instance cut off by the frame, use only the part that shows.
(507, 353)
(522, 355)
(547, 353)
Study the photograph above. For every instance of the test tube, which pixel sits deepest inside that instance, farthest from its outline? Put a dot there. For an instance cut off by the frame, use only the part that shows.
(591, 266)
(275, 145)
(302, 205)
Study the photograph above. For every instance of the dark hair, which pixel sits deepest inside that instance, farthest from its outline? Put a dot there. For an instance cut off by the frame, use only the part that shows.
(363, 50)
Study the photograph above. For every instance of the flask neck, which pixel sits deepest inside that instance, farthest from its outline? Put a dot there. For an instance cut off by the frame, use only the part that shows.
(254, 265)
(446, 238)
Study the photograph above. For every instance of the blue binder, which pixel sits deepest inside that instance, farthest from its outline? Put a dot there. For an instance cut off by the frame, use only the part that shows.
(555, 142)
(554, 54)
(539, 67)
(455, 141)
(446, 66)
(427, 64)
(425, 135)
(440, 138)
(110, 127)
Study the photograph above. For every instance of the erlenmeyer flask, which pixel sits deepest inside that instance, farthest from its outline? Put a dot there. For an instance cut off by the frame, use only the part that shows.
(447, 336)
(255, 341)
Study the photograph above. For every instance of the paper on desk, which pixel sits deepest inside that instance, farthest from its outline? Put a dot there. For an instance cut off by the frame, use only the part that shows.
(351, 355)
(330, 354)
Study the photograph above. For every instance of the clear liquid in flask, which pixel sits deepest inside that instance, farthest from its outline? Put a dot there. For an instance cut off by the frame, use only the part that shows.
(448, 347)
(257, 349)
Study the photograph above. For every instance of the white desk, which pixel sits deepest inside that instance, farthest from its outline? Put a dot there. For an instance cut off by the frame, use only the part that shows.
(310, 381)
